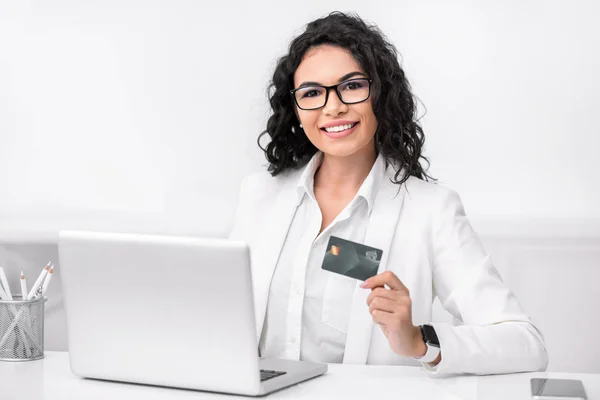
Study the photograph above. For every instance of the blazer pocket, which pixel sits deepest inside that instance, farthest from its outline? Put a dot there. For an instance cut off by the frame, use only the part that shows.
(337, 301)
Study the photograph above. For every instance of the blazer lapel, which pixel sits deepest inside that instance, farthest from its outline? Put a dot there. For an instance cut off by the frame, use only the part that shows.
(277, 221)
(380, 234)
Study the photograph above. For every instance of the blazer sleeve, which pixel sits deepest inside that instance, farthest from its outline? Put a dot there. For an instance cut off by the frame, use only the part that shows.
(496, 336)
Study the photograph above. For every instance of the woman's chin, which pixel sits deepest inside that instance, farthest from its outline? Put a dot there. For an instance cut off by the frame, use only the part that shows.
(345, 149)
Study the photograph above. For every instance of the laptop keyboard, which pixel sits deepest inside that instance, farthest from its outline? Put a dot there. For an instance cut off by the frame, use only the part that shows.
(266, 374)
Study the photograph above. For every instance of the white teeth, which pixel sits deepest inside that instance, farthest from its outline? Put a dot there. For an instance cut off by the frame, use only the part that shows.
(339, 128)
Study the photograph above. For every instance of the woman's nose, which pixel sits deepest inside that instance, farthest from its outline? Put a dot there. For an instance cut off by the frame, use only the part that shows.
(334, 106)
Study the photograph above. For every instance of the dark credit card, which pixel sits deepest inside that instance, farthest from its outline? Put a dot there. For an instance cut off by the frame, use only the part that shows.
(351, 259)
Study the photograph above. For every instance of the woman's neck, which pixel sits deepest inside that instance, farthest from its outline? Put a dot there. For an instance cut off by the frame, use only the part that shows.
(344, 174)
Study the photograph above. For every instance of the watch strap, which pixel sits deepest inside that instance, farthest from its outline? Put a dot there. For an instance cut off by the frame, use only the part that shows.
(431, 354)
(432, 343)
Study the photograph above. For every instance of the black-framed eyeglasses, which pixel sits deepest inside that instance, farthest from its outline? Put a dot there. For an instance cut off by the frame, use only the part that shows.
(314, 97)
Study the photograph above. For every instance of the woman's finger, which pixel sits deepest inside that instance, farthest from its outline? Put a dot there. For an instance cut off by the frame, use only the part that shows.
(382, 304)
(381, 292)
(385, 278)
(382, 317)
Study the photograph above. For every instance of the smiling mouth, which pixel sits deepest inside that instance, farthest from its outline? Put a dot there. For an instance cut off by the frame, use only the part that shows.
(340, 128)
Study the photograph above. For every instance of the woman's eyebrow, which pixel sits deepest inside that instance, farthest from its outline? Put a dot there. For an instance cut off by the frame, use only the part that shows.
(343, 78)
(351, 75)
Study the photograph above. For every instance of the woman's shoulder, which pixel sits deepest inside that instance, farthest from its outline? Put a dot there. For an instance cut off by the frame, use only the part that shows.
(430, 194)
(263, 182)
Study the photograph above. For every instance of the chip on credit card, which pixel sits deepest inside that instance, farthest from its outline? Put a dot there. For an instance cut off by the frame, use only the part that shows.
(351, 259)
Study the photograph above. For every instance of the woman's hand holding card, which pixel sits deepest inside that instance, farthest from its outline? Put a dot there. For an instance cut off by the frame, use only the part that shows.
(392, 310)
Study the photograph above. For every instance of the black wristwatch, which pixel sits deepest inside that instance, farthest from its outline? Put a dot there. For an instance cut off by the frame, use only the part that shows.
(431, 341)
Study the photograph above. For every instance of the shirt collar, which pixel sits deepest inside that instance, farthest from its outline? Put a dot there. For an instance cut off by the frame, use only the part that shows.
(367, 190)
(306, 183)
(371, 184)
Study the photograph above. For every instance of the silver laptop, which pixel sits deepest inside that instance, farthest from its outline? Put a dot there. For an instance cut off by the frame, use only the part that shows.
(168, 311)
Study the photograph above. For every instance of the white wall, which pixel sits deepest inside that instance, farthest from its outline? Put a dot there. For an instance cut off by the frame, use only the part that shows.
(139, 115)
(143, 115)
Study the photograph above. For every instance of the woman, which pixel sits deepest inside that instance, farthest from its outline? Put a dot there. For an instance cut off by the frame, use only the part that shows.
(344, 162)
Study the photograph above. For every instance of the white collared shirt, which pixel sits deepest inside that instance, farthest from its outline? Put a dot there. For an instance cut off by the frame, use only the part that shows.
(309, 308)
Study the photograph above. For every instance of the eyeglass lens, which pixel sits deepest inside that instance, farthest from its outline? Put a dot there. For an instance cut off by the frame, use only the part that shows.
(351, 91)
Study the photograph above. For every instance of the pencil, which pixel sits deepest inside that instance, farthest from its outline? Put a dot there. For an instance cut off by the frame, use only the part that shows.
(3, 295)
(47, 281)
(38, 282)
(5, 284)
(23, 287)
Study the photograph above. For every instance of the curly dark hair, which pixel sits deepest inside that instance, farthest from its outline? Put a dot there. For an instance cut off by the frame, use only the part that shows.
(399, 136)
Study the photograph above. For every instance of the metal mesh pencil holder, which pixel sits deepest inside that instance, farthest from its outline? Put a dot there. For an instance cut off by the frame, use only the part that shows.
(22, 329)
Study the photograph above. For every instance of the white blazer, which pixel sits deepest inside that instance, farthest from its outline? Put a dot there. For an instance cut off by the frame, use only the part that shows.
(429, 244)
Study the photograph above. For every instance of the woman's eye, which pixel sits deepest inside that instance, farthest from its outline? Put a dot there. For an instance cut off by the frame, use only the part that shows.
(310, 93)
(353, 85)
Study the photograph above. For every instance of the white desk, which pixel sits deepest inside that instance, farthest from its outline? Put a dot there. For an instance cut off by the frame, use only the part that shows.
(51, 379)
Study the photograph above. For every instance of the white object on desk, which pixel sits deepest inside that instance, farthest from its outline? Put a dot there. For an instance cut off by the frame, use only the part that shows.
(3, 295)
(51, 379)
(42, 292)
(38, 282)
(23, 286)
(201, 336)
(5, 284)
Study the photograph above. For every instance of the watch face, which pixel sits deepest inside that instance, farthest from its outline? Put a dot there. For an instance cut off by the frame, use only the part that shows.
(430, 336)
